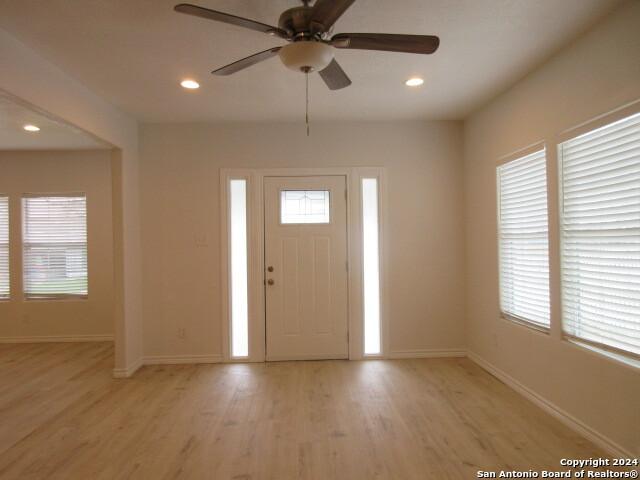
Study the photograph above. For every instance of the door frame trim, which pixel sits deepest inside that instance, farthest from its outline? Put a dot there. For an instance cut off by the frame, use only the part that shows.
(255, 259)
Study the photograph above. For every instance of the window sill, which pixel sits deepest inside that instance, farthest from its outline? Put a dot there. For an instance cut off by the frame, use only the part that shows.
(524, 323)
(616, 357)
(71, 298)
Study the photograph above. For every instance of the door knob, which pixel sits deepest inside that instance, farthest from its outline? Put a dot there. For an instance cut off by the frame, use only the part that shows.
(271, 281)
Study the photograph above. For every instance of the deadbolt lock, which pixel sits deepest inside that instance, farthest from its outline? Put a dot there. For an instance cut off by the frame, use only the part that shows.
(269, 268)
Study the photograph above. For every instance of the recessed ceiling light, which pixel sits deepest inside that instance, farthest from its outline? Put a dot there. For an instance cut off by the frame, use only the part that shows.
(31, 128)
(414, 82)
(190, 84)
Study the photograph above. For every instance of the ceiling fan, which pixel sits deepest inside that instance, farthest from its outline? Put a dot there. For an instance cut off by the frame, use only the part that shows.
(308, 29)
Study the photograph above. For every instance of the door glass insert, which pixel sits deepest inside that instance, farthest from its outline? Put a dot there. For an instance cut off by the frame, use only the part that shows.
(304, 206)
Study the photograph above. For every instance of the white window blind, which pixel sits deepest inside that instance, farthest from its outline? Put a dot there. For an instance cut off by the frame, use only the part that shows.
(4, 248)
(54, 235)
(523, 239)
(601, 236)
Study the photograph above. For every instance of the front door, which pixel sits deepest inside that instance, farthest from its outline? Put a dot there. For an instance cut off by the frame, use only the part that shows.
(306, 267)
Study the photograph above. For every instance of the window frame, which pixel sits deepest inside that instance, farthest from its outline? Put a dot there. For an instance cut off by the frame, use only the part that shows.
(511, 318)
(602, 121)
(9, 294)
(56, 297)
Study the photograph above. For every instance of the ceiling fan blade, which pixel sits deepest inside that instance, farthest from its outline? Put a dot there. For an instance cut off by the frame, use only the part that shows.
(334, 76)
(209, 14)
(246, 62)
(387, 42)
(324, 13)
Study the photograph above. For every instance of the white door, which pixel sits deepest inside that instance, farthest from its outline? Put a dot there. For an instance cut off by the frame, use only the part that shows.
(306, 267)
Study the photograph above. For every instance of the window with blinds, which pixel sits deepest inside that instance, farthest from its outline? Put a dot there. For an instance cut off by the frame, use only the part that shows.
(523, 240)
(54, 236)
(4, 248)
(601, 236)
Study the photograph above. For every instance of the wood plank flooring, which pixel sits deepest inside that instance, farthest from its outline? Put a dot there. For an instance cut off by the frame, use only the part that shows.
(62, 416)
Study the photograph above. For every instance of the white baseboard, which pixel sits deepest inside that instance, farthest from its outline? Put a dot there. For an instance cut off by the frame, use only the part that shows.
(181, 359)
(129, 370)
(302, 358)
(186, 359)
(569, 420)
(427, 353)
(58, 338)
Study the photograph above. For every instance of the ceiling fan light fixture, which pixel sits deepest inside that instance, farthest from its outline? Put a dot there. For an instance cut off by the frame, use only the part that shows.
(304, 56)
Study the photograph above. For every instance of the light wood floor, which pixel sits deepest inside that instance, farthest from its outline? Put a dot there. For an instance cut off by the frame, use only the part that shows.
(62, 416)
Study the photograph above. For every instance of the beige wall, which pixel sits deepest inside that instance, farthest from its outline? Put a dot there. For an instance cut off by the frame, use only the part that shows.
(51, 172)
(30, 77)
(598, 73)
(180, 202)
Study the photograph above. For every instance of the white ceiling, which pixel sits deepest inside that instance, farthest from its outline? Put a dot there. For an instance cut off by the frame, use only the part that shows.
(135, 52)
(53, 134)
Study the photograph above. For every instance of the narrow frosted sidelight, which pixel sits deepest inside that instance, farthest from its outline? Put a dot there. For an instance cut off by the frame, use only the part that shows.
(371, 266)
(239, 300)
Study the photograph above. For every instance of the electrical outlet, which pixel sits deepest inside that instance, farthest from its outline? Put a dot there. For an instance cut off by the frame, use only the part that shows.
(201, 240)
(182, 333)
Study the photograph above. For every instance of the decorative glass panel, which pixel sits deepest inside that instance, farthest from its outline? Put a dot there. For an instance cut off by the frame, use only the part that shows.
(304, 206)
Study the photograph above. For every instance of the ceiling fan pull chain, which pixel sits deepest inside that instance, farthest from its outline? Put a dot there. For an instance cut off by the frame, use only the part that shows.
(307, 106)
